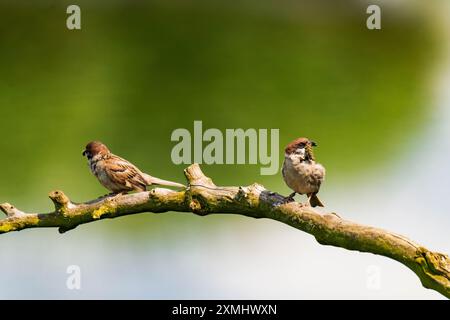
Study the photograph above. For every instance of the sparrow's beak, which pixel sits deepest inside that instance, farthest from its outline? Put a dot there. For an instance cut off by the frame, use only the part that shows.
(313, 144)
(84, 153)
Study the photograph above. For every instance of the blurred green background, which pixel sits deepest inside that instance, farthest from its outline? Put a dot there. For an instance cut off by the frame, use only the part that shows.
(140, 69)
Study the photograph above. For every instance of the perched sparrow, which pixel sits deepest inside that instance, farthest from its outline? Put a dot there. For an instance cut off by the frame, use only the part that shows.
(301, 172)
(117, 174)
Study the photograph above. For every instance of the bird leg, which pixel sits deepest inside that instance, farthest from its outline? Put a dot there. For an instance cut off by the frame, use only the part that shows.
(113, 195)
(117, 194)
(308, 203)
(290, 198)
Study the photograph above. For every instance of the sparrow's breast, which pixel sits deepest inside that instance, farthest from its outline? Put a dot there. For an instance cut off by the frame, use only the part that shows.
(98, 168)
(93, 166)
(302, 176)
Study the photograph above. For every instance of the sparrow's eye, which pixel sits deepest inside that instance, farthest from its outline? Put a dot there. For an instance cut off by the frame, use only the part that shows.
(301, 145)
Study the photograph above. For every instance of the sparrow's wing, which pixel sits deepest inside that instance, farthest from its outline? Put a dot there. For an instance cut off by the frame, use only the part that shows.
(125, 173)
(124, 168)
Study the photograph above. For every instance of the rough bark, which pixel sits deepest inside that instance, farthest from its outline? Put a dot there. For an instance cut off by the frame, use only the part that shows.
(203, 197)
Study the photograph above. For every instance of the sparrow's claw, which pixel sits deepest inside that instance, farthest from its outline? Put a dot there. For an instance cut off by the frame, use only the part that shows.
(113, 195)
(334, 213)
(117, 194)
(290, 198)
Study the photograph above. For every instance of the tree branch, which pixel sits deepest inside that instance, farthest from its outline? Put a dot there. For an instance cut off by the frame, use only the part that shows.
(202, 197)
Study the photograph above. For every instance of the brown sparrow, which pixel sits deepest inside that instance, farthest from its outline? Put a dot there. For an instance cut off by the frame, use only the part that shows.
(117, 174)
(301, 172)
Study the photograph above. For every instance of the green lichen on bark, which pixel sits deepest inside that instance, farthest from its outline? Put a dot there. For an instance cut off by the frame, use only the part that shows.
(203, 197)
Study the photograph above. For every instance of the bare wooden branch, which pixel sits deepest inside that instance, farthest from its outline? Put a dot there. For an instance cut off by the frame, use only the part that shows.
(203, 197)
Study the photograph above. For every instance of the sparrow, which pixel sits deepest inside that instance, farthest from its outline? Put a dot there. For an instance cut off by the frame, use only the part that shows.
(301, 172)
(117, 174)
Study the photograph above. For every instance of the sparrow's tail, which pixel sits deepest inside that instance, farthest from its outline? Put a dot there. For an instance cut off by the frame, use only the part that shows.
(314, 201)
(152, 180)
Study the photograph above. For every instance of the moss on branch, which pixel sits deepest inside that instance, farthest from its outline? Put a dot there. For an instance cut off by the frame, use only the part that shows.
(203, 197)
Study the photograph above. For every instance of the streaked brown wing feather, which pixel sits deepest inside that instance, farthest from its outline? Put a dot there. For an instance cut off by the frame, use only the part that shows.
(125, 172)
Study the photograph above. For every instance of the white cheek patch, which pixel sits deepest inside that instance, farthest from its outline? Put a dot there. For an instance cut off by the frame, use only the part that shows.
(298, 155)
(301, 152)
